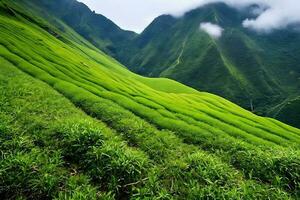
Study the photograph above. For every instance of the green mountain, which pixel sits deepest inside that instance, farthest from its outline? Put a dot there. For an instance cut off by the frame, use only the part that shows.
(260, 72)
(76, 124)
(252, 69)
(96, 28)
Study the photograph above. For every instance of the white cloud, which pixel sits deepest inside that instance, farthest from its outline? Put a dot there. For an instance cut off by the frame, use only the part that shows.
(213, 30)
(279, 15)
(136, 14)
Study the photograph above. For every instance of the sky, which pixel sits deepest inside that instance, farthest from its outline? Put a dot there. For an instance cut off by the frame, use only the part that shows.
(135, 15)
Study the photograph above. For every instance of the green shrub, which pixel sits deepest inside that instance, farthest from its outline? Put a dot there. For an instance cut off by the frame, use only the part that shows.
(116, 167)
(79, 188)
(275, 166)
(77, 137)
(37, 174)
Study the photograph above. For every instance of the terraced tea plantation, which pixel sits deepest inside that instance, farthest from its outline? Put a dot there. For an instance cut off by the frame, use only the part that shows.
(75, 124)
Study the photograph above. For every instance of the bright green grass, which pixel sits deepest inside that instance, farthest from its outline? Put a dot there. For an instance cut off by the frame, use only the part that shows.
(54, 144)
(242, 156)
(50, 149)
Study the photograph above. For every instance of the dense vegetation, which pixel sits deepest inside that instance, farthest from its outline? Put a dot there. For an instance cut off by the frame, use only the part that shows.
(75, 124)
(96, 28)
(288, 111)
(257, 71)
(260, 72)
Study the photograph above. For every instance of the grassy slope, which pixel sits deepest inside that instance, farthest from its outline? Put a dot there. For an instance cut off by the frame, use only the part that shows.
(241, 65)
(243, 155)
(176, 49)
(247, 68)
(224, 76)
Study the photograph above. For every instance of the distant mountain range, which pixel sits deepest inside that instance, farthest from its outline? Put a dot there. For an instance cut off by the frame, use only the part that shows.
(260, 72)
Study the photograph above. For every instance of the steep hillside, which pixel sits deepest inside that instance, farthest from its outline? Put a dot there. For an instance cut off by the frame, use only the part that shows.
(288, 111)
(76, 124)
(257, 71)
(96, 28)
(251, 69)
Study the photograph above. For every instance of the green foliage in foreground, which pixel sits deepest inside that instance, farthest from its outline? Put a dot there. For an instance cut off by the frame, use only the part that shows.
(52, 150)
(143, 142)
